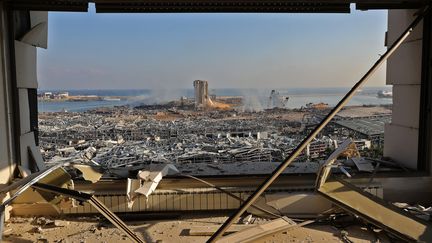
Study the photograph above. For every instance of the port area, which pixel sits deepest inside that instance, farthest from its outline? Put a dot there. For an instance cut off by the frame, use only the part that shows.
(207, 140)
(204, 141)
(65, 96)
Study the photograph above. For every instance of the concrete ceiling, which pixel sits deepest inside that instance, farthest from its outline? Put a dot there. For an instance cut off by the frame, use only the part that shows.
(211, 6)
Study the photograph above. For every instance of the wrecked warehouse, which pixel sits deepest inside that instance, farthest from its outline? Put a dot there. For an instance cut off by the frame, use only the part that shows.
(150, 172)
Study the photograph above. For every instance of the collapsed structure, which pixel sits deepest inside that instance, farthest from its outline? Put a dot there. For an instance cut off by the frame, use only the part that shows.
(202, 98)
(276, 100)
(204, 101)
(120, 136)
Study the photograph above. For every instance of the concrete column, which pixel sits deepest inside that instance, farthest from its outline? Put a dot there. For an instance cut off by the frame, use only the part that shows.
(404, 73)
(6, 128)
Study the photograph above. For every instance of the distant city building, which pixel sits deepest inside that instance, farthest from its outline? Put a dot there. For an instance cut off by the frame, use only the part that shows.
(47, 95)
(369, 128)
(318, 148)
(363, 144)
(385, 94)
(63, 94)
(52, 95)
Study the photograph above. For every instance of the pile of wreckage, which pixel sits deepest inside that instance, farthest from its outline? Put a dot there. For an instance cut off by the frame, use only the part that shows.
(108, 142)
(55, 184)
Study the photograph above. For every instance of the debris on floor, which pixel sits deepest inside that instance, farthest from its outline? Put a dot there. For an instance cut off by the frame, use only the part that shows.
(94, 229)
(367, 206)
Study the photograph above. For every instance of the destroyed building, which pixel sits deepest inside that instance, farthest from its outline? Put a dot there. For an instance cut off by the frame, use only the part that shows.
(371, 128)
(276, 100)
(201, 93)
(93, 178)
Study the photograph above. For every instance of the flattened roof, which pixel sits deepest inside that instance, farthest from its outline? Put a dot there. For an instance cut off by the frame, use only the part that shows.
(367, 126)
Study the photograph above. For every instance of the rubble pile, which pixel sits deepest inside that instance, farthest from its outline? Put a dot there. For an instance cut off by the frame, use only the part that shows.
(121, 136)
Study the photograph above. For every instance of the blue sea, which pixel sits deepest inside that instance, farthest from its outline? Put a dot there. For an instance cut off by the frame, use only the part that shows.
(258, 99)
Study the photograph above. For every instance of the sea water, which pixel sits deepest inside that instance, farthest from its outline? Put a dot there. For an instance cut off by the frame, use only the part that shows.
(298, 97)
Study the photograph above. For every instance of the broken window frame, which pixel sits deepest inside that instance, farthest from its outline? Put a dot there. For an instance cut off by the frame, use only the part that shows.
(425, 116)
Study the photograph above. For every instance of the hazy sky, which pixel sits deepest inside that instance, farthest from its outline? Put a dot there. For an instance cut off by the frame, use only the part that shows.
(89, 50)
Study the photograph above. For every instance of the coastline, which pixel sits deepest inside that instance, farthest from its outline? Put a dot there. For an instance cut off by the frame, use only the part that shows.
(83, 100)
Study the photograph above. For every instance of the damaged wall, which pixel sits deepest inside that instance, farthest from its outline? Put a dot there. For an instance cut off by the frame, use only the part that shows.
(27, 39)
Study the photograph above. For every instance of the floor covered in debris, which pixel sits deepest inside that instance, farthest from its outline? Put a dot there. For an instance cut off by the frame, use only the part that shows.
(178, 228)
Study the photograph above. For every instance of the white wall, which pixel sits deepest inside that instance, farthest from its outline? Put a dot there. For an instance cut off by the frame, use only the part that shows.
(404, 73)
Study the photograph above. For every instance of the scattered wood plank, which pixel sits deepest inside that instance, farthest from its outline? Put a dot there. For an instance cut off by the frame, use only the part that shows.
(35, 209)
(210, 230)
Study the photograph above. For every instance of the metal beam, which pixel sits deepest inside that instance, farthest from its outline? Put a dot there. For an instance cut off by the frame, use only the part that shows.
(369, 5)
(22, 185)
(212, 6)
(85, 197)
(317, 129)
(247, 6)
(222, 6)
(49, 5)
